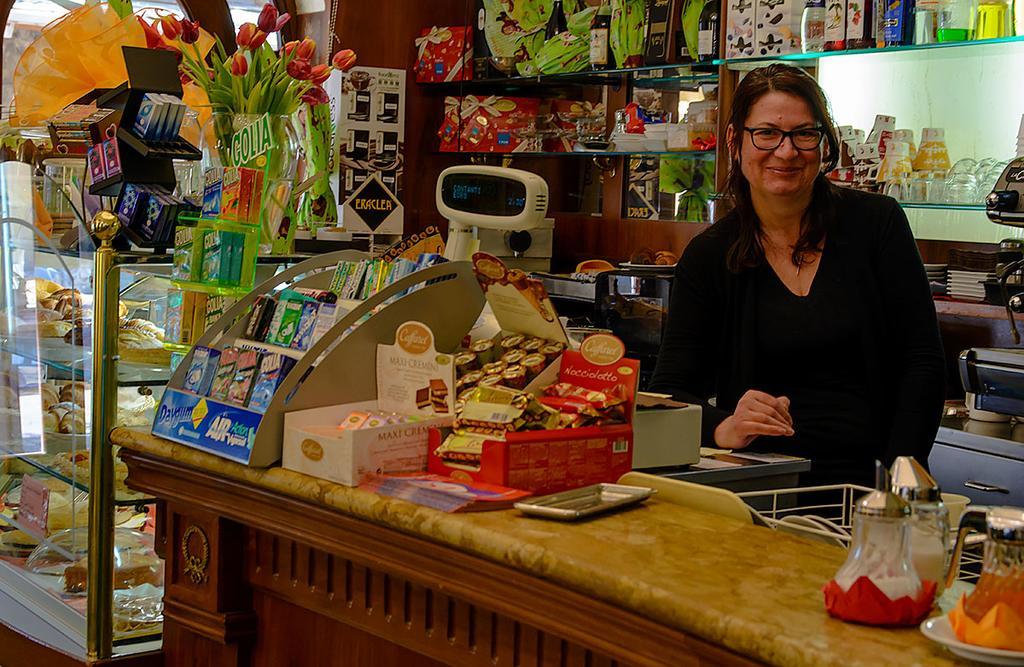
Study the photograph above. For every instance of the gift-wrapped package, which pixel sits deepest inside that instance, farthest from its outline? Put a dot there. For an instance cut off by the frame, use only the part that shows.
(497, 124)
(444, 54)
(451, 125)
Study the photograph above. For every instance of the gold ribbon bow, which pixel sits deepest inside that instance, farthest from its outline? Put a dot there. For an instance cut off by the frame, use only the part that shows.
(493, 105)
(451, 105)
(435, 36)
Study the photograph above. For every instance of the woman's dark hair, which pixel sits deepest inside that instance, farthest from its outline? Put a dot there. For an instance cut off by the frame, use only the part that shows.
(747, 251)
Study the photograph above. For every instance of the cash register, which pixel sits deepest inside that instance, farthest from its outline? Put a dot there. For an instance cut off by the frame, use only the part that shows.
(497, 210)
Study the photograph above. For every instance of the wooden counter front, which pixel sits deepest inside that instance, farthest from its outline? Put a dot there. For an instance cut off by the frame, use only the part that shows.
(270, 567)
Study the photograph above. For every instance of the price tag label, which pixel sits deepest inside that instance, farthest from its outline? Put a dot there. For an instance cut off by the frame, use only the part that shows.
(34, 507)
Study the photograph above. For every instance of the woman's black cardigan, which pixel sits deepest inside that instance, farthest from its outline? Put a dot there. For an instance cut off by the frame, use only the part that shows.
(709, 343)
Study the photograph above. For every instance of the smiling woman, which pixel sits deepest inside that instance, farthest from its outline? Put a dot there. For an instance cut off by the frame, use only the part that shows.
(784, 311)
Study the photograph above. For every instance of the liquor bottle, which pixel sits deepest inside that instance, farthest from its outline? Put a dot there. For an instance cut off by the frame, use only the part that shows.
(600, 46)
(835, 25)
(556, 23)
(860, 24)
(812, 26)
(707, 32)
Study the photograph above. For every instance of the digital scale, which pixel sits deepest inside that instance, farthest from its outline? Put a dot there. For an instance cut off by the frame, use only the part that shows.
(497, 210)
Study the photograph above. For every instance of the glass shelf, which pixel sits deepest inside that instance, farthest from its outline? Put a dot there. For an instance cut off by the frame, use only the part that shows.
(740, 63)
(75, 366)
(706, 155)
(672, 77)
(942, 207)
(122, 497)
(130, 257)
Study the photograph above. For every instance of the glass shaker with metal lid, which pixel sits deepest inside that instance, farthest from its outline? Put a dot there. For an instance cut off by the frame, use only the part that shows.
(880, 549)
(929, 521)
(1002, 571)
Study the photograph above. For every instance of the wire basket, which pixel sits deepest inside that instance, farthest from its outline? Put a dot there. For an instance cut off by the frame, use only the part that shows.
(825, 513)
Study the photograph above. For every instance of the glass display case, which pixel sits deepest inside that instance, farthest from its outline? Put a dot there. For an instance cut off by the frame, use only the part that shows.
(53, 402)
(47, 395)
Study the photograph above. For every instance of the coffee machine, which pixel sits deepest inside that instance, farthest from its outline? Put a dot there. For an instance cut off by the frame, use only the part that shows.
(633, 304)
(982, 456)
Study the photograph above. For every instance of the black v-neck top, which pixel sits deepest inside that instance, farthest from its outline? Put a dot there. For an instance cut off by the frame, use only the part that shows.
(866, 340)
(808, 348)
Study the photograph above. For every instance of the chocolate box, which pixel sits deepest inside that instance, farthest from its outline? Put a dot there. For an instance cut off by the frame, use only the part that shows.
(444, 54)
(314, 445)
(497, 124)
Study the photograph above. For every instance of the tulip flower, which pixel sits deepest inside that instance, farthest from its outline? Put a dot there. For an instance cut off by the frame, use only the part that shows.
(184, 77)
(290, 46)
(319, 74)
(245, 34)
(257, 40)
(152, 34)
(344, 60)
(270, 20)
(239, 65)
(316, 95)
(189, 31)
(306, 49)
(299, 69)
(171, 26)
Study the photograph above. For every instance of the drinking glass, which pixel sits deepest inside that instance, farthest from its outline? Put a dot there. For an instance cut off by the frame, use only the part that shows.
(961, 189)
(917, 189)
(937, 189)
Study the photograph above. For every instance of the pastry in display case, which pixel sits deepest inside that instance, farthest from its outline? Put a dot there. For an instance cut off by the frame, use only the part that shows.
(62, 565)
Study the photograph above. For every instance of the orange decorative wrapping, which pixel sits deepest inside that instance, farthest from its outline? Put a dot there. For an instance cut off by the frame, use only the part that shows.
(73, 55)
(1001, 627)
(866, 603)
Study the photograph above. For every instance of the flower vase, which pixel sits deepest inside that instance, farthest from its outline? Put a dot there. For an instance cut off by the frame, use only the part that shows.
(269, 143)
(317, 205)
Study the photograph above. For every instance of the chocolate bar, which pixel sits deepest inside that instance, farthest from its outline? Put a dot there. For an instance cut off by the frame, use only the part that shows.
(423, 398)
(438, 396)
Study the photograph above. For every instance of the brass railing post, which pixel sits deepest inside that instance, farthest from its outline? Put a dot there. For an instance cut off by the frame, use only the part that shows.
(99, 609)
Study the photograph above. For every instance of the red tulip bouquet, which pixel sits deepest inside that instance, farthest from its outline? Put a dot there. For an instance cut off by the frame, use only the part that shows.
(256, 79)
(253, 82)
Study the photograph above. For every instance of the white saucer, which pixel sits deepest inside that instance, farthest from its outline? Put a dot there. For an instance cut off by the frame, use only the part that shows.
(939, 630)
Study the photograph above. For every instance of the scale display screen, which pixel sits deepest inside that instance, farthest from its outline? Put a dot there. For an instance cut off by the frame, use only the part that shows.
(483, 194)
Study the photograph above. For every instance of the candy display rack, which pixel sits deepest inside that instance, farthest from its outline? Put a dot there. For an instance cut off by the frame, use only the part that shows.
(143, 162)
(338, 368)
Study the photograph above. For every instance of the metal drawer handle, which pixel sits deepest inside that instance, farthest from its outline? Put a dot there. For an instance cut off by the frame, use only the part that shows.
(981, 486)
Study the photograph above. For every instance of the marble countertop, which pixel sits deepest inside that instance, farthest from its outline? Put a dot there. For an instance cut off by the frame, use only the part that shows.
(750, 589)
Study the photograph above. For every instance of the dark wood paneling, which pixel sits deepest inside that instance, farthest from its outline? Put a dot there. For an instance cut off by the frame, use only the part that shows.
(382, 33)
(937, 252)
(17, 650)
(215, 18)
(289, 635)
(580, 237)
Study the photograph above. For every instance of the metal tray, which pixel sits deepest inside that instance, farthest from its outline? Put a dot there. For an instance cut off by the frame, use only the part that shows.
(585, 501)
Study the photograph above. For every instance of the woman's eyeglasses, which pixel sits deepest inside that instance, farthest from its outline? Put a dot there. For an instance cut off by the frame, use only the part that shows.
(769, 138)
